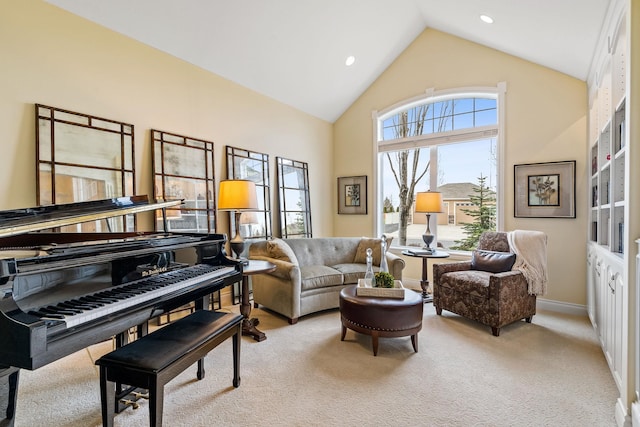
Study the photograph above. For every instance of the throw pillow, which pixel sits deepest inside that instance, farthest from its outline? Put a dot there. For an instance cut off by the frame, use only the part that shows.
(374, 244)
(491, 261)
(278, 249)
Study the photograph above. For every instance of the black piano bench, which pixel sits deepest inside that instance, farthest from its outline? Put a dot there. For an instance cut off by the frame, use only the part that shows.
(155, 359)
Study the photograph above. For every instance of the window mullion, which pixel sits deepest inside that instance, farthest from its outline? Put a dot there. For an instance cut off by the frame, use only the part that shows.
(436, 139)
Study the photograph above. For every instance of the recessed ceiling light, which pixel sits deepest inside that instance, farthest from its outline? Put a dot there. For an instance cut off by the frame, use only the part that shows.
(487, 19)
(350, 60)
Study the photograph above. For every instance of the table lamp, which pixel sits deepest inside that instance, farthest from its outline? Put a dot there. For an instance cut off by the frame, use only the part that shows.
(429, 202)
(238, 195)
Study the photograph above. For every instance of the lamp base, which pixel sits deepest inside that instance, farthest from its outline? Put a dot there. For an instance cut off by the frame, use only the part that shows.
(237, 243)
(428, 240)
(237, 247)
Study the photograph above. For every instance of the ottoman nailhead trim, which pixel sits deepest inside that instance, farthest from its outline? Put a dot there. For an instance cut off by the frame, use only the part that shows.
(373, 329)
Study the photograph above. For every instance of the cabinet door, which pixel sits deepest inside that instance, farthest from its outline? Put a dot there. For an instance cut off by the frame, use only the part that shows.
(592, 285)
(619, 326)
(614, 329)
(609, 298)
(600, 296)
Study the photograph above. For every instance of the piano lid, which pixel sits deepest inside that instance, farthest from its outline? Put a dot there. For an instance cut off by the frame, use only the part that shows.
(20, 221)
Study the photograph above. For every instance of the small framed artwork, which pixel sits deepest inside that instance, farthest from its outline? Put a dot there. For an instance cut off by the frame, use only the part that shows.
(352, 195)
(545, 190)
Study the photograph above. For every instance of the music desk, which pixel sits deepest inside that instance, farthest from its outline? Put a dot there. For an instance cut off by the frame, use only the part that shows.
(249, 325)
(424, 283)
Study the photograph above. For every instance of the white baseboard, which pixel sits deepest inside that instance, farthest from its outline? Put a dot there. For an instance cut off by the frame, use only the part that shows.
(561, 307)
(541, 303)
(622, 417)
(635, 414)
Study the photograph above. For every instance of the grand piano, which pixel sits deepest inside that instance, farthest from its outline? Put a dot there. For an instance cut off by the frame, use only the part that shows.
(63, 291)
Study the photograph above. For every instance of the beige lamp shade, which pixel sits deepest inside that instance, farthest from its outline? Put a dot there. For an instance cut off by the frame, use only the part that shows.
(237, 195)
(429, 201)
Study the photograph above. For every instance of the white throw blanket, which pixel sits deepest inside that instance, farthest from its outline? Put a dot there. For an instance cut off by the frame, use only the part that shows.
(530, 248)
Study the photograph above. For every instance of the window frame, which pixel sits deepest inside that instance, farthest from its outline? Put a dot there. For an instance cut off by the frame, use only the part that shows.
(497, 92)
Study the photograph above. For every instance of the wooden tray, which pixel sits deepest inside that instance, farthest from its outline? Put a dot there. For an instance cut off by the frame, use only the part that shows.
(365, 290)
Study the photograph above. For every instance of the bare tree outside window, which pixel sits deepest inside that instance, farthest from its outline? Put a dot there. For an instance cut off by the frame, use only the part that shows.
(405, 164)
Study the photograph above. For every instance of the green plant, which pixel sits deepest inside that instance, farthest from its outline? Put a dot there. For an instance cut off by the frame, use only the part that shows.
(384, 280)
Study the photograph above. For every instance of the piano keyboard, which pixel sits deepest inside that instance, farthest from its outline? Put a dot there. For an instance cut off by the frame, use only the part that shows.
(89, 307)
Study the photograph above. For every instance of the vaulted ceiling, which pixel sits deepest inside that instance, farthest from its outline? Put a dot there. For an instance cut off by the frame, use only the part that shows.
(295, 50)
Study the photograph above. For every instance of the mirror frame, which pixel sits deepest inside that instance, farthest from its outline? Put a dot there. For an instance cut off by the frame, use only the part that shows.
(259, 175)
(58, 134)
(198, 211)
(302, 212)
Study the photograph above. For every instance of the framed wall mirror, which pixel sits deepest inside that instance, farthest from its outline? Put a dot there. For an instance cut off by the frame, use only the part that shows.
(254, 166)
(183, 169)
(80, 157)
(293, 195)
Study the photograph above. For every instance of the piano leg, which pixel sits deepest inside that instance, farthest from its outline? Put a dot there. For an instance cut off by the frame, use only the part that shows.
(8, 394)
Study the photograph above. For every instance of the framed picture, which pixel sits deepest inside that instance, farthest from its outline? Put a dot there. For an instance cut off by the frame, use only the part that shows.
(545, 190)
(352, 195)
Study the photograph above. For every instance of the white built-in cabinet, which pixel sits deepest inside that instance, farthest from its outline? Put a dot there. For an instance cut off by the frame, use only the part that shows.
(606, 293)
(610, 249)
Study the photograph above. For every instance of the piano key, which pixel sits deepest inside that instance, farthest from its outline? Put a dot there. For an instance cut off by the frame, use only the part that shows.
(128, 295)
(86, 304)
(90, 300)
(62, 306)
(43, 315)
(54, 310)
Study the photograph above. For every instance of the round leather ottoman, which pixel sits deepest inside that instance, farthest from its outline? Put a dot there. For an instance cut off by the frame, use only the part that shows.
(381, 317)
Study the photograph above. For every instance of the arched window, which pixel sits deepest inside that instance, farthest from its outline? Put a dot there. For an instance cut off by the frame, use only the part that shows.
(446, 141)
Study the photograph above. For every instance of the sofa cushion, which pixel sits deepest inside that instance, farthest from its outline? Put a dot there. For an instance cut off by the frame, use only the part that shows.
(374, 244)
(319, 276)
(491, 261)
(473, 282)
(278, 249)
(324, 250)
(351, 272)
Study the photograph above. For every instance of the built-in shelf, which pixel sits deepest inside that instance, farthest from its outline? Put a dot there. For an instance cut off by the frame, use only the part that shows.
(609, 201)
(608, 182)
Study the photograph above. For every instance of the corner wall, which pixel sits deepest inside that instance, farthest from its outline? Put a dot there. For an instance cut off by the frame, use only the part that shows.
(546, 120)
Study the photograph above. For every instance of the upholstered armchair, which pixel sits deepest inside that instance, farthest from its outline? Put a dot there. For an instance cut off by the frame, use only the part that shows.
(485, 289)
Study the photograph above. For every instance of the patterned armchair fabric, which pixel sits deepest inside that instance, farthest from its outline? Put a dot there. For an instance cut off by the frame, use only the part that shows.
(493, 299)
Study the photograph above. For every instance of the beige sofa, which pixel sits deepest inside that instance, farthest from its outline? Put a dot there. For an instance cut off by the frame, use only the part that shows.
(310, 272)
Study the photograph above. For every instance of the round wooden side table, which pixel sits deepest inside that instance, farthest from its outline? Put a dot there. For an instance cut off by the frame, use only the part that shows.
(424, 283)
(249, 325)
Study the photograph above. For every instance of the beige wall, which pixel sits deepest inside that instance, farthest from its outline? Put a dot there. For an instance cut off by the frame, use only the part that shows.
(546, 115)
(52, 57)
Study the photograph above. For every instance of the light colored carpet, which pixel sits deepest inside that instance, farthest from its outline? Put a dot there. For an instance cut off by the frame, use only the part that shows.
(548, 373)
